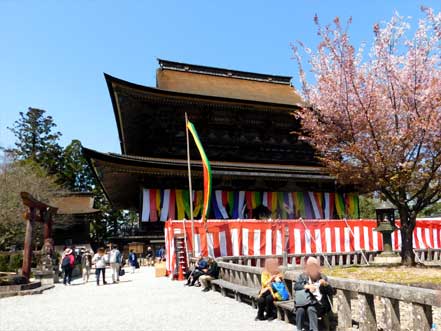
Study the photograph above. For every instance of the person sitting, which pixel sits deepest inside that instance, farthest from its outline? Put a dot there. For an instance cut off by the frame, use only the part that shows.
(211, 273)
(267, 296)
(198, 271)
(313, 295)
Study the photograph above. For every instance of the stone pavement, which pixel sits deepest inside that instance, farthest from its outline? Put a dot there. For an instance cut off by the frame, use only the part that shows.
(139, 302)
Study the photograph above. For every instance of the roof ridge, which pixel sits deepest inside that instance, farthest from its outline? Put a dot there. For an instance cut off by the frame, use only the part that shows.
(224, 72)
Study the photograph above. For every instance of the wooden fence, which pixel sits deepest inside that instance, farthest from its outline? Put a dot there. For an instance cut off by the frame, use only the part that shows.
(422, 301)
(329, 259)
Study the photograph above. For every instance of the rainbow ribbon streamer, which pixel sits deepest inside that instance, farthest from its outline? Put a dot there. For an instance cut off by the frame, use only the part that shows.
(206, 170)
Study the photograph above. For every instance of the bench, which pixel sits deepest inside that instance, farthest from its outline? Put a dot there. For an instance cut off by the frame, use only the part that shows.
(284, 310)
(239, 291)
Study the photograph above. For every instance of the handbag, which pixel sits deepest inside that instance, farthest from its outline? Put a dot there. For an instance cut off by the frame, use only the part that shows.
(280, 288)
(122, 272)
(303, 298)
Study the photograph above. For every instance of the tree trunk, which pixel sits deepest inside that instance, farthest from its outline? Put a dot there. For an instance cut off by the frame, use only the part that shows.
(408, 221)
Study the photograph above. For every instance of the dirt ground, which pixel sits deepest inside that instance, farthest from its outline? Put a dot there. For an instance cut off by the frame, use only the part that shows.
(427, 277)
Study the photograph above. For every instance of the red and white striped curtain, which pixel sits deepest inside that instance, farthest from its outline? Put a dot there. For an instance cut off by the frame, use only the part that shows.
(252, 237)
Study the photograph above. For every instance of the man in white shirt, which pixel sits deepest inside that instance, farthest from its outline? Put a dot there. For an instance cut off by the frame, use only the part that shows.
(115, 262)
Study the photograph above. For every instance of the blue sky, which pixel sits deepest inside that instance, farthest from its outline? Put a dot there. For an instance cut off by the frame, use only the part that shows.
(53, 53)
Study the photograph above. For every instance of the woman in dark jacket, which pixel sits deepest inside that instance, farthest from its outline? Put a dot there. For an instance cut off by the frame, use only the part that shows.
(133, 261)
(67, 265)
(313, 295)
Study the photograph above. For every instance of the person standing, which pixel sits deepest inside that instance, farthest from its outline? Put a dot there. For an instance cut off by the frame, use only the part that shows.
(67, 265)
(86, 264)
(100, 261)
(115, 262)
(162, 253)
(133, 261)
(150, 256)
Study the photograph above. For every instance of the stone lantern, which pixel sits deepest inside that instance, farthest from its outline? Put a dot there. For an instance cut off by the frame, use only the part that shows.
(386, 226)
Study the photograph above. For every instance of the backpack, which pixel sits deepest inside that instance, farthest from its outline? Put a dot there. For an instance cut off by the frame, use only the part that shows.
(66, 261)
(118, 257)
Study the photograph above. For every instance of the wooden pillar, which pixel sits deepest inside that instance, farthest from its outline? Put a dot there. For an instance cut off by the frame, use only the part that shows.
(368, 320)
(344, 310)
(27, 251)
(421, 317)
(258, 263)
(340, 260)
(285, 246)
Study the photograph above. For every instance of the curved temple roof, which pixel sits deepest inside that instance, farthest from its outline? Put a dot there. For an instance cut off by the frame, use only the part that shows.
(209, 81)
(121, 176)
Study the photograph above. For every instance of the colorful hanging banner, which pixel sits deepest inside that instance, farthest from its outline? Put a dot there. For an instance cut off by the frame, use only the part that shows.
(352, 205)
(207, 171)
(164, 204)
(340, 205)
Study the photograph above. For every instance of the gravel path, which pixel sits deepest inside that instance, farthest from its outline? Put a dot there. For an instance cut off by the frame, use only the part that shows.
(139, 302)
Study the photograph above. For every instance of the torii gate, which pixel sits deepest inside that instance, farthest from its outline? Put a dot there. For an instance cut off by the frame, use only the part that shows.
(38, 212)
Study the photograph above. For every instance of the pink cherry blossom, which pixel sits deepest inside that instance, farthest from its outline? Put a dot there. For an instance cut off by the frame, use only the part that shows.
(374, 117)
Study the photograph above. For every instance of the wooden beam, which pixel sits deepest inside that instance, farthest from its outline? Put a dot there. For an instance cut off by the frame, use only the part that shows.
(27, 251)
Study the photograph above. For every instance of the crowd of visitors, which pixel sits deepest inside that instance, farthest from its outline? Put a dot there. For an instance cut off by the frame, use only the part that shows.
(86, 260)
(110, 257)
(312, 291)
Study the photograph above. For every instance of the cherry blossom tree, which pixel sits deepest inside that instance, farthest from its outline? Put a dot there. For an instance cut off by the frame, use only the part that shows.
(375, 117)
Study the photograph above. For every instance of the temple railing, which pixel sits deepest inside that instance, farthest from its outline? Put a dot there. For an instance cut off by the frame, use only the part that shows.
(370, 305)
(327, 259)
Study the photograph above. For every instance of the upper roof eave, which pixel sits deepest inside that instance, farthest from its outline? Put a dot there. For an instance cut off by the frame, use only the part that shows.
(145, 161)
(174, 65)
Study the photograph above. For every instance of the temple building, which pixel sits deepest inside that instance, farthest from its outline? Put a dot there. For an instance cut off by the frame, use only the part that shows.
(246, 121)
(71, 225)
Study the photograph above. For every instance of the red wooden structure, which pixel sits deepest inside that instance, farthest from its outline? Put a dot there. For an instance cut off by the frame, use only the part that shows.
(38, 212)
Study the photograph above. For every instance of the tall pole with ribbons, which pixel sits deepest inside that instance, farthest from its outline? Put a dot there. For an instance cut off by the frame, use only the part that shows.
(206, 174)
(190, 188)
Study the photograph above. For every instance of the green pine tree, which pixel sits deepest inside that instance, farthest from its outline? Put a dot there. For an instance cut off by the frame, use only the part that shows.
(75, 173)
(37, 140)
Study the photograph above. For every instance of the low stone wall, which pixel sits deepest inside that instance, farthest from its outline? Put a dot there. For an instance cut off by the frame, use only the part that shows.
(359, 302)
(21, 287)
